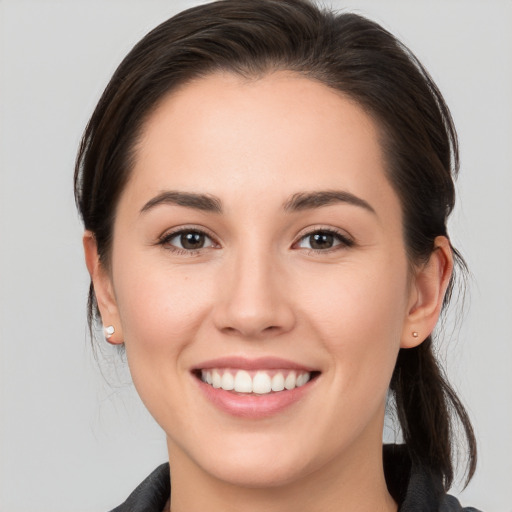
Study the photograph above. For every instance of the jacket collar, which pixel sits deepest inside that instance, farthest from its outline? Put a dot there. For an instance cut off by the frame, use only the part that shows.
(412, 486)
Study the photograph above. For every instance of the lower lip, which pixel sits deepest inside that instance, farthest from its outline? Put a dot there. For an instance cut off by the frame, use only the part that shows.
(253, 406)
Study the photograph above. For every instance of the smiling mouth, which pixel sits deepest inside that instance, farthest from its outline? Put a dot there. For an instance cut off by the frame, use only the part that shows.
(256, 382)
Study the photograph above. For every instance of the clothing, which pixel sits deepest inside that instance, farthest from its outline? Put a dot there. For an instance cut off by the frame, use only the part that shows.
(412, 487)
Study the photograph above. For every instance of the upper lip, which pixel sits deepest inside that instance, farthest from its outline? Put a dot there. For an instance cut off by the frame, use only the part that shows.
(259, 363)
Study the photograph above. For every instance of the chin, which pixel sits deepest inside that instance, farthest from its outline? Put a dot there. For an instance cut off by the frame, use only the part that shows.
(257, 474)
(255, 461)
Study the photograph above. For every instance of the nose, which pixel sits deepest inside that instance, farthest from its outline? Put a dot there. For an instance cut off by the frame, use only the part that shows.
(255, 302)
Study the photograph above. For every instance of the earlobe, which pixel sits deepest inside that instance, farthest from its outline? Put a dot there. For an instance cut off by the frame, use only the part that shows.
(103, 290)
(428, 288)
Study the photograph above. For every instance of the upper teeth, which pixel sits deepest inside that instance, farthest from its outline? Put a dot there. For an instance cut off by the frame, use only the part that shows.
(260, 382)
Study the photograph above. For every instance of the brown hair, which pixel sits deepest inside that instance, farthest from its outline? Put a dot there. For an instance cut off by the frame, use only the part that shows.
(345, 52)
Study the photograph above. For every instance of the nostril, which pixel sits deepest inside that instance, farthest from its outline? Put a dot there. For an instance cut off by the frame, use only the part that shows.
(229, 330)
(251, 332)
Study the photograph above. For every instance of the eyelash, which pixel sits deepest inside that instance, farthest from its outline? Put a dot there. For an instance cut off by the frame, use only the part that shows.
(166, 238)
(343, 241)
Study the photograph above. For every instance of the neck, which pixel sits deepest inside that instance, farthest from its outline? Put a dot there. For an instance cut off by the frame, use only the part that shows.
(355, 484)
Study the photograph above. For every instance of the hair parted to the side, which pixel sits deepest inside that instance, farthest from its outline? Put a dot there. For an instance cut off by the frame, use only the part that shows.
(348, 53)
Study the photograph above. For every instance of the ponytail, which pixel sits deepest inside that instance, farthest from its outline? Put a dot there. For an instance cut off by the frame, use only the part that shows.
(428, 409)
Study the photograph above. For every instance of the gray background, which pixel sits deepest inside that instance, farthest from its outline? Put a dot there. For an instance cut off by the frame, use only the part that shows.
(70, 440)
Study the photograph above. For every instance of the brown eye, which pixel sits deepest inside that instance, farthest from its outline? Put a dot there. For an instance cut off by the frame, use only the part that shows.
(190, 240)
(323, 240)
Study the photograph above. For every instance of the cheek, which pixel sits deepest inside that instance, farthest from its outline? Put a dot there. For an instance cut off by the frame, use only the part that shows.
(359, 315)
(160, 309)
(358, 298)
(161, 312)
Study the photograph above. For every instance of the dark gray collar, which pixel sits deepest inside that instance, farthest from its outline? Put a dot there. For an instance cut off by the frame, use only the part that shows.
(414, 488)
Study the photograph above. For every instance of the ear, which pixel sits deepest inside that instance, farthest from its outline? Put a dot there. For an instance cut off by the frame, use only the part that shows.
(428, 288)
(103, 288)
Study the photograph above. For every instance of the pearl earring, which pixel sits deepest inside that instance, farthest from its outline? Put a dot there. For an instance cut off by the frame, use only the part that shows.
(109, 330)
(414, 334)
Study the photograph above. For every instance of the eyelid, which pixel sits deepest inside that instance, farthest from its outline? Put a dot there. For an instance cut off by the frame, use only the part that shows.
(346, 240)
(169, 234)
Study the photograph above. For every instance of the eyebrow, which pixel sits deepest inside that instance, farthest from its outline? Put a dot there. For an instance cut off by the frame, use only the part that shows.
(203, 202)
(308, 200)
(297, 202)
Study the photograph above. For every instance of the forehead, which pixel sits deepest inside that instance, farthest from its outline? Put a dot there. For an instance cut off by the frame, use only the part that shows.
(275, 135)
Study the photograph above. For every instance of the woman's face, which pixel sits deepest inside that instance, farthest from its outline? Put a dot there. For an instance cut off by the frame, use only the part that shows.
(258, 244)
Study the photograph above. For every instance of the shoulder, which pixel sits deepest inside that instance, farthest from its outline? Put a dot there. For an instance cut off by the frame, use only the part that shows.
(451, 504)
(151, 495)
(414, 487)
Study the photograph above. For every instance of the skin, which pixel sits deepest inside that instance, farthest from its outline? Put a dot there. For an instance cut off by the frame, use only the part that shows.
(258, 289)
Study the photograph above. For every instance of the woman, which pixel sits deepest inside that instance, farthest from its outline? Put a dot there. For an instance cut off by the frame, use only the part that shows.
(265, 188)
